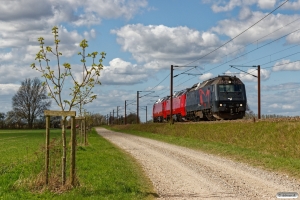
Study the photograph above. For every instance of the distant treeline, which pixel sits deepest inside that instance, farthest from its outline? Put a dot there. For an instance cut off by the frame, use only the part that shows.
(251, 115)
(12, 120)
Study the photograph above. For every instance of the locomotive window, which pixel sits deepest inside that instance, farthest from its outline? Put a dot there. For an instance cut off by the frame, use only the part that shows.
(230, 88)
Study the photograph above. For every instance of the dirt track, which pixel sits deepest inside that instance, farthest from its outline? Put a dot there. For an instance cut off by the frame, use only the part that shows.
(181, 173)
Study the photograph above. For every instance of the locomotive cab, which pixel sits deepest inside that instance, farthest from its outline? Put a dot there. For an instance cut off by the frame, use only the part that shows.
(230, 101)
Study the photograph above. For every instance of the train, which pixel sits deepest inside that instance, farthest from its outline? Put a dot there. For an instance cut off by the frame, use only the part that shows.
(219, 98)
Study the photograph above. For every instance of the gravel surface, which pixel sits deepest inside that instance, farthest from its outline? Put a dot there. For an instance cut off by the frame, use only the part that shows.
(181, 173)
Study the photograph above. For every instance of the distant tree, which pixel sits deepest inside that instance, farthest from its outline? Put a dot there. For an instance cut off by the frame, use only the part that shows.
(131, 118)
(31, 100)
(97, 119)
(55, 121)
(2, 118)
(249, 113)
(13, 120)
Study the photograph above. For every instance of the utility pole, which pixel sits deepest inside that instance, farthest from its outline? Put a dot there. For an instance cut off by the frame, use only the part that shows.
(117, 114)
(125, 122)
(113, 120)
(258, 89)
(171, 96)
(109, 118)
(137, 107)
(137, 103)
(146, 114)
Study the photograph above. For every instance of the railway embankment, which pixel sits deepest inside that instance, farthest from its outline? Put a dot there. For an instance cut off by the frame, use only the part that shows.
(271, 144)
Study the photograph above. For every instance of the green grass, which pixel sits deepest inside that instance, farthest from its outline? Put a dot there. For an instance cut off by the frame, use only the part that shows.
(103, 171)
(273, 146)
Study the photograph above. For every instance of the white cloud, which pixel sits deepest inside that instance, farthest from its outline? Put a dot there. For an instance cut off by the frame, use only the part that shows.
(286, 65)
(16, 74)
(9, 89)
(158, 88)
(266, 4)
(216, 7)
(6, 56)
(288, 107)
(120, 72)
(251, 75)
(160, 46)
(206, 76)
(245, 12)
(114, 8)
(258, 33)
(227, 6)
(292, 5)
(293, 38)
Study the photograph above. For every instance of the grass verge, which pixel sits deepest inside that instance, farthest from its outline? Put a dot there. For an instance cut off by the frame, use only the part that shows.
(103, 171)
(273, 146)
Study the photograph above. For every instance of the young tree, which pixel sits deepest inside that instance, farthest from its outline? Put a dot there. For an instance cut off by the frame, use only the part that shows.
(31, 100)
(55, 79)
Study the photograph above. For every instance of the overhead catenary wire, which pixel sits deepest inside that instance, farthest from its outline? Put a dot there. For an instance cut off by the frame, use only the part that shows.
(222, 46)
(235, 38)
(239, 33)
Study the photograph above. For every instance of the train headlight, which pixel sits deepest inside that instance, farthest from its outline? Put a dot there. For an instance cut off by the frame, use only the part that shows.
(220, 104)
(241, 105)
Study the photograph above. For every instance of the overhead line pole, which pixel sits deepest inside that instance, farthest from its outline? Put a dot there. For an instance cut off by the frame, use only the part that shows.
(125, 120)
(258, 89)
(117, 114)
(171, 95)
(137, 107)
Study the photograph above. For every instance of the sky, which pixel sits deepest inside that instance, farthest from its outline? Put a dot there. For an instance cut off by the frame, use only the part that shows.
(143, 38)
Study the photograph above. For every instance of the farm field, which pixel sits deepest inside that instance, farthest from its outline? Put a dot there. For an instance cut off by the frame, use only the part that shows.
(103, 171)
(269, 144)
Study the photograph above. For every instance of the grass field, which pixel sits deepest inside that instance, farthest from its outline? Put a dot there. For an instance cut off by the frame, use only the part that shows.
(103, 171)
(274, 146)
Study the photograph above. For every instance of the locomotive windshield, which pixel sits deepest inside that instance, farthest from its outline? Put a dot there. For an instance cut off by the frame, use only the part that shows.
(230, 88)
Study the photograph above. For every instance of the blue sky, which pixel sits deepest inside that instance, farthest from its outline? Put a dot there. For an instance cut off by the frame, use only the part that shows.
(143, 39)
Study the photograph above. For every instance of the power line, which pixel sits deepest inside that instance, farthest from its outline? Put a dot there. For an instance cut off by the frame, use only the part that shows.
(239, 33)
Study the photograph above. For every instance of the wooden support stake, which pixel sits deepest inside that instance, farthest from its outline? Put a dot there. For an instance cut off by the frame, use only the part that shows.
(47, 150)
(73, 150)
(85, 135)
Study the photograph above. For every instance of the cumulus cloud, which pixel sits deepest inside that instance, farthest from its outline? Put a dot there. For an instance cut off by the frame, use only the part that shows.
(77, 12)
(16, 74)
(227, 6)
(263, 4)
(9, 89)
(292, 5)
(120, 72)
(159, 46)
(245, 12)
(251, 74)
(293, 38)
(29, 24)
(258, 34)
(206, 76)
(286, 65)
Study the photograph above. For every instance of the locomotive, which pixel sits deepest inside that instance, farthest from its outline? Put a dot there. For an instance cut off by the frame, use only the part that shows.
(219, 98)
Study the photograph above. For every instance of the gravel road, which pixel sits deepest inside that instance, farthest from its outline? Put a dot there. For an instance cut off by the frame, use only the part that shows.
(181, 173)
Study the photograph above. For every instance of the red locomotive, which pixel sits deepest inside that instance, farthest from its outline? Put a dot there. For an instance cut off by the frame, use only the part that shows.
(222, 97)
